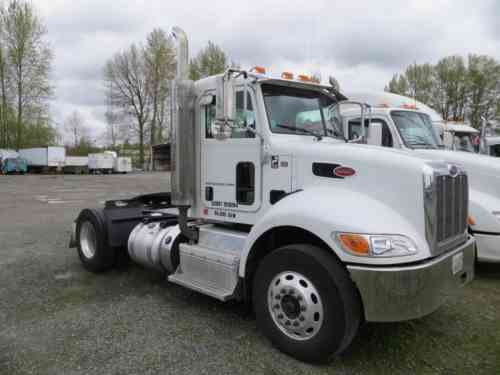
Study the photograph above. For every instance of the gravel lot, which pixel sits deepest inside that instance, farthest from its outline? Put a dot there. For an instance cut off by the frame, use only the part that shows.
(55, 318)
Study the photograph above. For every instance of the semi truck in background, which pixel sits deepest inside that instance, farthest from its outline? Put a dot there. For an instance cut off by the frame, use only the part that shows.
(268, 208)
(409, 128)
(44, 159)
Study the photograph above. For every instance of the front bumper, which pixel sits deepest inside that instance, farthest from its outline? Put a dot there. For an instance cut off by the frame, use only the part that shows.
(399, 293)
(488, 247)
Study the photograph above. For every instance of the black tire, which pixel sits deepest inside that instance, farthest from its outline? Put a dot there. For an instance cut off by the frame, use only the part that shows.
(103, 257)
(341, 306)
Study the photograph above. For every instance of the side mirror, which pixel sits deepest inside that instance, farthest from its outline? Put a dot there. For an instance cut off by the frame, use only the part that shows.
(375, 134)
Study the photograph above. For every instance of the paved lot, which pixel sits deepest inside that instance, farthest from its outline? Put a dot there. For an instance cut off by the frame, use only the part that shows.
(55, 318)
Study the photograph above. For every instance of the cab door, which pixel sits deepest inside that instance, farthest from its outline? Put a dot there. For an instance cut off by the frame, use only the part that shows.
(231, 168)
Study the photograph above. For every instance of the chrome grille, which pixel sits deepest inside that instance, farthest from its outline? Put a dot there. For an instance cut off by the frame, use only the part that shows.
(452, 198)
(446, 209)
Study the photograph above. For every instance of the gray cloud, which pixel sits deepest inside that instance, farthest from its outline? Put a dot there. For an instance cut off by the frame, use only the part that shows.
(362, 43)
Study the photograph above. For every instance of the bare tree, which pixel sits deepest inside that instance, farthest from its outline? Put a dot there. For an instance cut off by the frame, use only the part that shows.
(29, 55)
(113, 127)
(75, 127)
(127, 89)
(160, 66)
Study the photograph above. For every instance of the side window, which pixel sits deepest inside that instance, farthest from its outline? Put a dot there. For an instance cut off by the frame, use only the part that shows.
(244, 117)
(245, 183)
(209, 119)
(355, 131)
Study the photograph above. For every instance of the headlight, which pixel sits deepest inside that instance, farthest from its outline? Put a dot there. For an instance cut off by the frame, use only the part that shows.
(369, 245)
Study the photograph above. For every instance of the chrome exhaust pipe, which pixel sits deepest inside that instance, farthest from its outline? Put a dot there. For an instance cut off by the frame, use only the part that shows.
(182, 53)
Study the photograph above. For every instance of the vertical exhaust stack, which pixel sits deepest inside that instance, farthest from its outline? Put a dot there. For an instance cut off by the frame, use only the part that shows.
(182, 138)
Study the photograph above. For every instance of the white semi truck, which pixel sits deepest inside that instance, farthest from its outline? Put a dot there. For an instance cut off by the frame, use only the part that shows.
(316, 234)
(403, 127)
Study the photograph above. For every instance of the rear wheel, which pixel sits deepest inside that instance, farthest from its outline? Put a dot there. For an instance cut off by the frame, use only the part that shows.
(305, 302)
(91, 242)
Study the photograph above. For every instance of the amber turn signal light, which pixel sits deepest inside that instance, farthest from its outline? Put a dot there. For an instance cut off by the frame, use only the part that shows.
(355, 243)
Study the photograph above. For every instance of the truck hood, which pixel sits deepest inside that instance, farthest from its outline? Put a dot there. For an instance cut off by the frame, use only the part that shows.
(391, 178)
(483, 171)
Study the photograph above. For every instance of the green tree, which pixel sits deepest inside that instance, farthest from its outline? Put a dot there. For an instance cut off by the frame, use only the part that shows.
(28, 62)
(450, 89)
(160, 67)
(455, 88)
(209, 61)
(483, 88)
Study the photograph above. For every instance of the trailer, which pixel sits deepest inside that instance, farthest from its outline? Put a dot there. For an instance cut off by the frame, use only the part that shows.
(270, 206)
(44, 159)
(101, 163)
(412, 129)
(122, 164)
(76, 165)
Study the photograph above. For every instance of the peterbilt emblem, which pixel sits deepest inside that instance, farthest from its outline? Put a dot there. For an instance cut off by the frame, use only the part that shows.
(453, 170)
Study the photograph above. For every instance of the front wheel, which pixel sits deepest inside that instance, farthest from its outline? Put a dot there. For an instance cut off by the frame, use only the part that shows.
(305, 302)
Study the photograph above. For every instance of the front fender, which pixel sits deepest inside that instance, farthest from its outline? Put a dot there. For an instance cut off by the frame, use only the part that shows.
(321, 211)
(481, 207)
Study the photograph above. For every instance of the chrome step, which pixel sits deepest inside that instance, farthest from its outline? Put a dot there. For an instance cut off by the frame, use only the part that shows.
(213, 272)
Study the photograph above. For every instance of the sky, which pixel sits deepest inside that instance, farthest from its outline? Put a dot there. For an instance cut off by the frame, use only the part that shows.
(361, 43)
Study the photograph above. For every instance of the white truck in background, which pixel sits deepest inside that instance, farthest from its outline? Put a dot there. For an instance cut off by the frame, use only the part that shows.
(101, 163)
(492, 146)
(76, 165)
(44, 159)
(122, 165)
(458, 136)
(404, 127)
(268, 208)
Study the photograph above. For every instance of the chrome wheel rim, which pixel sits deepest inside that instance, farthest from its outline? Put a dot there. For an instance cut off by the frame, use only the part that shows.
(295, 305)
(88, 239)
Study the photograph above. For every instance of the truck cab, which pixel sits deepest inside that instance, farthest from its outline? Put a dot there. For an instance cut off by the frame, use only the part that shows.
(412, 130)
(270, 205)
(459, 136)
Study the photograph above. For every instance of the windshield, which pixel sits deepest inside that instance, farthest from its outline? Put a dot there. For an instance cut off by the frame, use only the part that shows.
(416, 129)
(463, 142)
(299, 111)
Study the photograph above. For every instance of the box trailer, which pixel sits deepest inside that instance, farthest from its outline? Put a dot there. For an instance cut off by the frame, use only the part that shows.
(8, 154)
(44, 159)
(76, 165)
(101, 163)
(122, 164)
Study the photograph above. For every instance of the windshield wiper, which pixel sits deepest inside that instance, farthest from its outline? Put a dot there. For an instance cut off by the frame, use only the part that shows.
(319, 137)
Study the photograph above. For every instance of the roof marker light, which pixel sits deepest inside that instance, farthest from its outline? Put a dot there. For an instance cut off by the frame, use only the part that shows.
(259, 70)
(409, 106)
(304, 78)
(287, 75)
